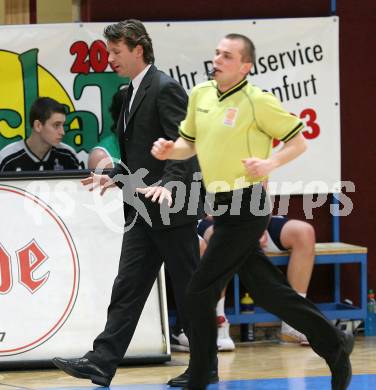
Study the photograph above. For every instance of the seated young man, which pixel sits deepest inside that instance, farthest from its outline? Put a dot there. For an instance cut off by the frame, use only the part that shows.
(43, 150)
(283, 234)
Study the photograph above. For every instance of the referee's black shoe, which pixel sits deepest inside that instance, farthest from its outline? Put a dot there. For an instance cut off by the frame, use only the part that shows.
(340, 365)
(182, 379)
(193, 388)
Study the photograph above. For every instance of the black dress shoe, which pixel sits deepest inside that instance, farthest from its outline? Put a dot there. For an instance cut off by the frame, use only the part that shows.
(340, 364)
(182, 379)
(83, 368)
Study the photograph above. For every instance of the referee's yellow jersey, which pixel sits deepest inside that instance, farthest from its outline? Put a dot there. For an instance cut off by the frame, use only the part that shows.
(232, 126)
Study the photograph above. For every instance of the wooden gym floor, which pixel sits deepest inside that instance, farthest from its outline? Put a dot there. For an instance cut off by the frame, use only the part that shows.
(252, 366)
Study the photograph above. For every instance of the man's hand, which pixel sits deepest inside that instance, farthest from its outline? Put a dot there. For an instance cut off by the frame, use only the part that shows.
(102, 181)
(157, 193)
(257, 167)
(162, 149)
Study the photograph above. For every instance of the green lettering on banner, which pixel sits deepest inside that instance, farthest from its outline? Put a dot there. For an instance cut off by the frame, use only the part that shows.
(29, 65)
(13, 120)
(108, 83)
(86, 136)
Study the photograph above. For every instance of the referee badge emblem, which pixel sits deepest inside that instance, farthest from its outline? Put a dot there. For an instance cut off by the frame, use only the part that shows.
(230, 116)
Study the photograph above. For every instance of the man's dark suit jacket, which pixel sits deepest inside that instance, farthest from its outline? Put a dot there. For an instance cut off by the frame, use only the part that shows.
(158, 108)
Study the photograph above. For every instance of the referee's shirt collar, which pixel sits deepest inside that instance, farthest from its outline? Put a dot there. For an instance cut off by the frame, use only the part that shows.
(235, 88)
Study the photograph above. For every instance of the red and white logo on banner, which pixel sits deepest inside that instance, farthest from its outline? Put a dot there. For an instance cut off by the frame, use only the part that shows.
(37, 257)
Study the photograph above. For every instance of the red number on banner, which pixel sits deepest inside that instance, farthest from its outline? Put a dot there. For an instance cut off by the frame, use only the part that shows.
(80, 64)
(95, 57)
(5, 271)
(314, 127)
(98, 56)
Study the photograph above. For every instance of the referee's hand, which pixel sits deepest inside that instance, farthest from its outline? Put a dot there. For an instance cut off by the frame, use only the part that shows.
(258, 167)
(162, 149)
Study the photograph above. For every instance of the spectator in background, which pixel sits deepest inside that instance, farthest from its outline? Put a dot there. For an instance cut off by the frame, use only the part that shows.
(107, 153)
(43, 150)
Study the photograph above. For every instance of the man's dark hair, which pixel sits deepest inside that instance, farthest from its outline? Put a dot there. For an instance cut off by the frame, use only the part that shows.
(133, 33)
(43, 108)
(249, 50)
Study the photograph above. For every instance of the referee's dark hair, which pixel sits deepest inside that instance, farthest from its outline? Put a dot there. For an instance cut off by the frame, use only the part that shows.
(132, 32)
(43, 108)
(249, 51)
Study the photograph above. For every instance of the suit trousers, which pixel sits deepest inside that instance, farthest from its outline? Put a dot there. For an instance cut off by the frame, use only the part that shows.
(143, 251)
(234, 248)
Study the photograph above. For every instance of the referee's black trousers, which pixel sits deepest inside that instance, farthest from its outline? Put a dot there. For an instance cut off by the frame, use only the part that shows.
(234, 248)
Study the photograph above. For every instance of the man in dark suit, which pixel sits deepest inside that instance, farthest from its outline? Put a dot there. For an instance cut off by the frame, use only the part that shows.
(153, 108)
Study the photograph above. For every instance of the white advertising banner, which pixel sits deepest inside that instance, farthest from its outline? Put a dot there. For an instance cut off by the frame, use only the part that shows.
(59, 255)
(297, 60)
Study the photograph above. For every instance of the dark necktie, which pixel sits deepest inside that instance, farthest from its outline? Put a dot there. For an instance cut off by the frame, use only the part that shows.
(128, 99)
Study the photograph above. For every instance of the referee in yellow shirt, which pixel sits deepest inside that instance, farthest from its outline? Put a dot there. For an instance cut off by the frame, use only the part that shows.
(230, 124)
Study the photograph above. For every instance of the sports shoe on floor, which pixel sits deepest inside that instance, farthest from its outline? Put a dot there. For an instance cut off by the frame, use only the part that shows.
(293, 336)
(179, 341)
(224, 341)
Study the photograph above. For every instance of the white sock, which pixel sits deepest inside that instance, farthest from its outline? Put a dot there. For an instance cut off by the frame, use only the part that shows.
(285, 328)
(220, 310)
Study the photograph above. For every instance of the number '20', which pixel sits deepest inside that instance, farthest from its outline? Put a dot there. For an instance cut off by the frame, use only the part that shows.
(94, 57)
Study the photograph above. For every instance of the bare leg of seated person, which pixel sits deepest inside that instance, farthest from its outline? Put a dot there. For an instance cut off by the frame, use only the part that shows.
(299, 238)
